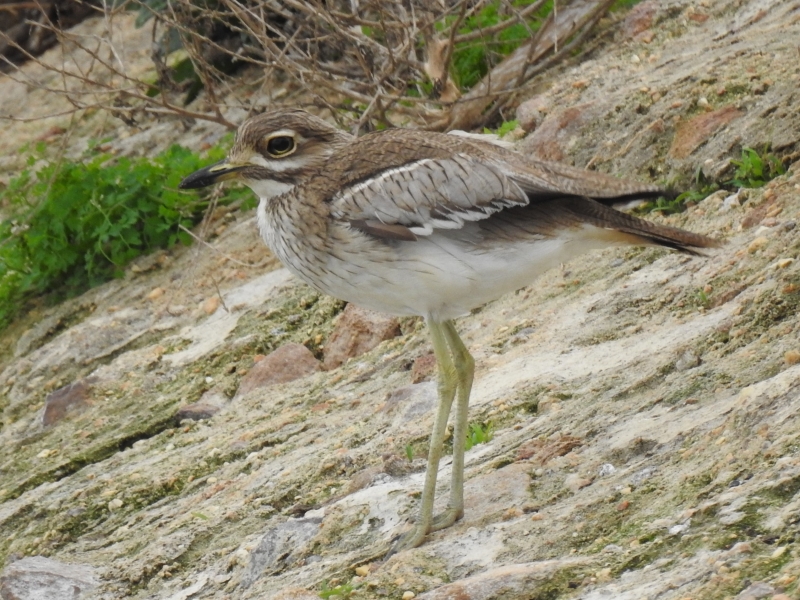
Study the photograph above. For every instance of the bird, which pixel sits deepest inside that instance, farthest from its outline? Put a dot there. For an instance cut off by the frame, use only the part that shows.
(428, 224)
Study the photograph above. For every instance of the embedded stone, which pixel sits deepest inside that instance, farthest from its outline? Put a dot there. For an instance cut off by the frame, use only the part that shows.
(357, 331)
(70, 398)
(38, 577)
(287, 363)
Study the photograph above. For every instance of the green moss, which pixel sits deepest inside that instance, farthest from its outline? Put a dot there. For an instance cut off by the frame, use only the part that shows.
(300, 315)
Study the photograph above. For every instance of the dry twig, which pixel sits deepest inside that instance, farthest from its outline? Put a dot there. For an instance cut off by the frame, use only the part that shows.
(379, 60)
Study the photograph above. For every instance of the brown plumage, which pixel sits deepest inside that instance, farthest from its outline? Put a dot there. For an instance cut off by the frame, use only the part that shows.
(429, 224)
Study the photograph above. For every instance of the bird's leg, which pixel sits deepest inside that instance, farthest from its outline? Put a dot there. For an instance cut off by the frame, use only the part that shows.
(448, 378)
(464, 366)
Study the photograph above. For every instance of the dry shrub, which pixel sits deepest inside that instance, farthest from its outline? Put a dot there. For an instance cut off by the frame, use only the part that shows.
(443, 64)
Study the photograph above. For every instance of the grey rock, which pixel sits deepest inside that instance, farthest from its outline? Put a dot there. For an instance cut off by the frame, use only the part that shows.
(197, 411)
(606, 470)
(755, 591)
(411, 402)
(41, 578)
(643, 475)
(278, 547)
(687, 360)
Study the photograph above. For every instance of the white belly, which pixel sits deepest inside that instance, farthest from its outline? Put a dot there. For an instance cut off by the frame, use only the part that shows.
(441, 276)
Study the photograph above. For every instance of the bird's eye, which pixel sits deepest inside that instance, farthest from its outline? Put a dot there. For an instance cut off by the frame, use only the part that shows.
(280, 145)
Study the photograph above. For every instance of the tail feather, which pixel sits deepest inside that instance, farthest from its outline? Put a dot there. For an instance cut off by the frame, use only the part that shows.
(590, 211)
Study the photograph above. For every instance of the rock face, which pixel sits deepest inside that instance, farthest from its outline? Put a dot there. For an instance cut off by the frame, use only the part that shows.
(285, 364)
(645, 405)
(279, 548)
(40, 578)
(358, 330)
(72, 397)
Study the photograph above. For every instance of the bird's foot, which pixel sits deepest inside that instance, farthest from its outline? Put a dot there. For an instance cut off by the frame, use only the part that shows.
(410, 539)
(447, 518)
(415, 537)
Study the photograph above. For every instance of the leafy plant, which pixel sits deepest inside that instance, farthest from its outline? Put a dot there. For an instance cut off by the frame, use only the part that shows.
(479, 433)
(754, 169)
(74, 225)
(505, 128)
(410, 452)
(702, 298)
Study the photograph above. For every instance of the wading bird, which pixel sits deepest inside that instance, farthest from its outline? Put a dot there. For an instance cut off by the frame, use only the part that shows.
(418, 223)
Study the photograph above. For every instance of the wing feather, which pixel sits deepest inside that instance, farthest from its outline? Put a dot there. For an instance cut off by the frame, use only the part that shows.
(425, 195)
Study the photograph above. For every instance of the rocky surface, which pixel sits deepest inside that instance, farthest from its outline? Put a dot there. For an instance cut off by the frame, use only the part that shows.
(645, 404)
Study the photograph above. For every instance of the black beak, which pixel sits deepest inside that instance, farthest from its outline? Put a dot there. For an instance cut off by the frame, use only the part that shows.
(210, 175)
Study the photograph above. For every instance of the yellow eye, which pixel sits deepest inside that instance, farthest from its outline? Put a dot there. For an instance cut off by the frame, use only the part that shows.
(280, 145)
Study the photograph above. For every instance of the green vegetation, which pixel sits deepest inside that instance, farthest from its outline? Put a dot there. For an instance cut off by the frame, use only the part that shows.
(340, 591)
(410, 452)
(472, 60)
(753, 170)
(70, 226)
(479, 433)
(702, 299)
(505, 128)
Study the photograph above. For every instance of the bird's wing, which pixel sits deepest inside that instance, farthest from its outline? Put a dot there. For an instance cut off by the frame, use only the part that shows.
(544, 180)
(421, 196)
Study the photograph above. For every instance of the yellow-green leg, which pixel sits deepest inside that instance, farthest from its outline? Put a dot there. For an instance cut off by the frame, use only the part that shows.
(447, 389)
(456, 370)
(464, 366)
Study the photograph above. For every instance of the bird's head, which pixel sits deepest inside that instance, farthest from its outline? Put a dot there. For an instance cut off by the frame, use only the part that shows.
(273, 152)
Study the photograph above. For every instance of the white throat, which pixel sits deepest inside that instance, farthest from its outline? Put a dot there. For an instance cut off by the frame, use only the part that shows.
(268, 188)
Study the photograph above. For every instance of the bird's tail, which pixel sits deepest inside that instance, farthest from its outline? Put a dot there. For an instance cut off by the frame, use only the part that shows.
(633, 230)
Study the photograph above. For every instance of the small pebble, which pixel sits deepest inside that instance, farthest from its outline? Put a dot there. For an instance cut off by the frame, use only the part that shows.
(362, 571)
(757, 244)
(792, 357)
(115, 504)
(210, 305)
(678, 529)
(687, 361)
(607, 469)
(408, 594)
(741, 548)
(574, 482)
(730, 201)
(155, 293)
(778, 552)
(603, 574)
